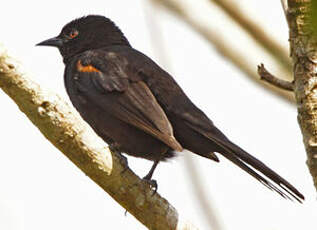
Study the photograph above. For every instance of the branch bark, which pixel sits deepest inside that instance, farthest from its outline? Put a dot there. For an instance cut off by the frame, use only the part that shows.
(303, 46)
(63, 127)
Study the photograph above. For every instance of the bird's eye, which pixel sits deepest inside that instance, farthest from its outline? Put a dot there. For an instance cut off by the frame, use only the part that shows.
(73, 34)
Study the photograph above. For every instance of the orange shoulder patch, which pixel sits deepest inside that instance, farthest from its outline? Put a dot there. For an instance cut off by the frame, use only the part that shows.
(86, 68)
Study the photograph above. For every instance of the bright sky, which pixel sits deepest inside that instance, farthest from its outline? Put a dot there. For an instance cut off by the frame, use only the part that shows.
(41, 189)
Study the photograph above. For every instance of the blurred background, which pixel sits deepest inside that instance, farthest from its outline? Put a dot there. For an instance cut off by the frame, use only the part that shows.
(213, 55)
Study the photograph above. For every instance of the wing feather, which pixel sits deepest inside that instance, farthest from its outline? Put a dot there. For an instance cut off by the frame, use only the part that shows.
(130, 101)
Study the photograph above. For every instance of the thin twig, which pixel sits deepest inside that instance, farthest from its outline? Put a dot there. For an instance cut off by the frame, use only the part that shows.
(268, 77)
(284, 6)
(223, 47)
(285, 9)
(72, 136)
(256, 32)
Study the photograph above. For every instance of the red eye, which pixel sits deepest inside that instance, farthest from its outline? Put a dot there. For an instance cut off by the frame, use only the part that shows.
(73, 34)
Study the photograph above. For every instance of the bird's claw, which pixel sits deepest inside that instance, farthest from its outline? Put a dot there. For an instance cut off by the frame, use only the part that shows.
(152, 183)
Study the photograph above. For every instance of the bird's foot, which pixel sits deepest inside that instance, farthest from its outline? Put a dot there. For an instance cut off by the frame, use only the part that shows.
(152, 183)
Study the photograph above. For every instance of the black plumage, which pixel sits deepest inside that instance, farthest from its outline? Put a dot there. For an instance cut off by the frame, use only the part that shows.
(137, 107)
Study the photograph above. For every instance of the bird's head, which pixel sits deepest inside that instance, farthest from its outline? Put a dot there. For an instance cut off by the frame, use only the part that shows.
(86, 33)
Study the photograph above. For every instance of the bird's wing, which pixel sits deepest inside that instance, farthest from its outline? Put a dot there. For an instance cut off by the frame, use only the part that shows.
(106, 82)
(176, 103)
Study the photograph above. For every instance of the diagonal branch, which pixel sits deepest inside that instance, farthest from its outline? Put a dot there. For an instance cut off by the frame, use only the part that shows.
(268, 77)
(255, 31)
(63, 127)
(285, 7)
(223, 47)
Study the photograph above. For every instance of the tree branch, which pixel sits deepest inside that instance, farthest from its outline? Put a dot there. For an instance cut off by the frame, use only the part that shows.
(255, 31)
(303, 45)
(222, 46)
(63, 127)
(268, 77)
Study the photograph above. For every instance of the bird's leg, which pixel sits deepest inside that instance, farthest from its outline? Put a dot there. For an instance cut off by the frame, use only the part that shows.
(148, 177)
(150, 173)
(123, 160)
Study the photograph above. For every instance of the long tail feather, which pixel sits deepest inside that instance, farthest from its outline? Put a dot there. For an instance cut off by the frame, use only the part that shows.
(244, 160)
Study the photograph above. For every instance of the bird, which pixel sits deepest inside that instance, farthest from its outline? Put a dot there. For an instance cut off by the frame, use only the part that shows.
(138, 108)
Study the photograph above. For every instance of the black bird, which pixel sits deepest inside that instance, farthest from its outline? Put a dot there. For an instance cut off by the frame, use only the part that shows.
(137, 107)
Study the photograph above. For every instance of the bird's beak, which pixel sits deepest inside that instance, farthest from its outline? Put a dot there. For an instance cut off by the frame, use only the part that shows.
(56, 42)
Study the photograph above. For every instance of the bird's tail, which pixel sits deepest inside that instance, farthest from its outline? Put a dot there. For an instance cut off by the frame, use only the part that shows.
(244, 160)
(250, 164)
